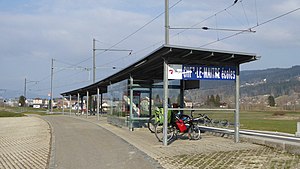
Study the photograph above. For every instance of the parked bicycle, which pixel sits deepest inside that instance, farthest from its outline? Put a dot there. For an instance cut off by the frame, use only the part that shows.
(180, 124)
(205, 120)
(157, 117)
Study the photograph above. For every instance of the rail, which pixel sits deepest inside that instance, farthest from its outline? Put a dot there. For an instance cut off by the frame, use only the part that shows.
(200, 109)
(270, 135)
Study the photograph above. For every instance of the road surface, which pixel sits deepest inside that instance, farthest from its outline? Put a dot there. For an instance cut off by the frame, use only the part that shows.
(81, 144)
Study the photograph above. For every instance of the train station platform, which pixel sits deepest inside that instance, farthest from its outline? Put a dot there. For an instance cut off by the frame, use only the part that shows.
(209, 152)
(25, 143)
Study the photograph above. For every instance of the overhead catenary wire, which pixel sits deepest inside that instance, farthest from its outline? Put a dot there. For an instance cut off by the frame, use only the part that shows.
(142, 27)
(160, 42)
(259, 24)
(220, 39)
(184, 29)
(207, 18)
(59, 70)
(216, 20)
(119, 42)
(70, 66)
(146, 24)
(245, 14)
(122, 40)
(136, 31)
(60, 86)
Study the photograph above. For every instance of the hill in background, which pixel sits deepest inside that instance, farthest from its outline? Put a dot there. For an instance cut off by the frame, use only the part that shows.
(256, 86)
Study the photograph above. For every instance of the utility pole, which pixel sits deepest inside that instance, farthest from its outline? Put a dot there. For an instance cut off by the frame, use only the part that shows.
(94, 60)
(167, 26)
(165, 79)
(51, 92)
(25, 89)
(108, 49)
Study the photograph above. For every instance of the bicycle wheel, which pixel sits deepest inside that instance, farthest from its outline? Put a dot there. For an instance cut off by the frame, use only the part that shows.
(151, 124)
(224, 123)
(194, 132)
(159, 132)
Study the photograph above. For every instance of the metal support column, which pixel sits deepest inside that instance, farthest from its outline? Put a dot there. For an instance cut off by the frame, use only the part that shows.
(101, 103)
(98, 91)
(111, 102)
(81, 97)
(70, 104)
(150, 100)
(167, 22)
(131, 103)
(87, 103)
(78, 100)
(63, 105)
(165, 104)
(237, 106)
(182, 86)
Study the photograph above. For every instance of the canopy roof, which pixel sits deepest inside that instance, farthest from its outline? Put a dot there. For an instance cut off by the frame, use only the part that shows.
(151, 67)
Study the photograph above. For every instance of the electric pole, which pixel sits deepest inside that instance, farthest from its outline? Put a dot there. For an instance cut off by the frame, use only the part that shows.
(25, 89)
(165, 79)
(167, 26)
(51, 92)
(94, 60)
(108, 49)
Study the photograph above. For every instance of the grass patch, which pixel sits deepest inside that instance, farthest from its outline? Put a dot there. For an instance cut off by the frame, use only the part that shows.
(21, 111)
(10, 114)
(270, 121)
(277, 121)
(286, 126)
(278, 113)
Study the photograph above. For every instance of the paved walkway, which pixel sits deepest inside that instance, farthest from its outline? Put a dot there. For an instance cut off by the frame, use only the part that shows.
(83, 145)
(24, 143)
(209, 152)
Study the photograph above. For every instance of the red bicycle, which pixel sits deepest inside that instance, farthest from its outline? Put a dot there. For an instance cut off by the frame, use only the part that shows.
(180, 125)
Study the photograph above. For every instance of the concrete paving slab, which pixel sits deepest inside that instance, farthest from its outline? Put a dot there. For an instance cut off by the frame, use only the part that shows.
(208, 152)
(24, 142)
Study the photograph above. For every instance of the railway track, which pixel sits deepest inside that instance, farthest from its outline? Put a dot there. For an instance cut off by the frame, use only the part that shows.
(262, 134)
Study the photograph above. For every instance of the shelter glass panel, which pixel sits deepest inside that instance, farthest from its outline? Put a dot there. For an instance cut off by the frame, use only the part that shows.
(119, 101)
(174, 94)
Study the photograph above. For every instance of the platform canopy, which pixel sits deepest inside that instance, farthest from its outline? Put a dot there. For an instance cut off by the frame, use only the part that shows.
(151, 67)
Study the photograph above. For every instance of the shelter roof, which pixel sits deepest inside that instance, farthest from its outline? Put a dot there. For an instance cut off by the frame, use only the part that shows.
(151, 66)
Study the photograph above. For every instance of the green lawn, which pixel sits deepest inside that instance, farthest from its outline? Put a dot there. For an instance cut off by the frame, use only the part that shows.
(10, 114)
(269, 121)
(20, 111)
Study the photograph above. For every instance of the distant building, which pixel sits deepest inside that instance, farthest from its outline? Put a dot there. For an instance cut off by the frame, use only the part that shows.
(37, 103)
(188, 103)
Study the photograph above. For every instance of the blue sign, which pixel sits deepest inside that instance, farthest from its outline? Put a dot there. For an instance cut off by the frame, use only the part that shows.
(196, 72)
(191, 72)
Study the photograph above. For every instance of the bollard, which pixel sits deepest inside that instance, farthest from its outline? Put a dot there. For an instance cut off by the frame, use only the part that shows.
(298, 130)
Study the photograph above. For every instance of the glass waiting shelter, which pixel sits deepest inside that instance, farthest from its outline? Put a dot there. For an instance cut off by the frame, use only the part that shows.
(159, 80)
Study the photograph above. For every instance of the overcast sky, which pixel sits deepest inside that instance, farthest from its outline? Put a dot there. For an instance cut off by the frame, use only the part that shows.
(35, 31)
